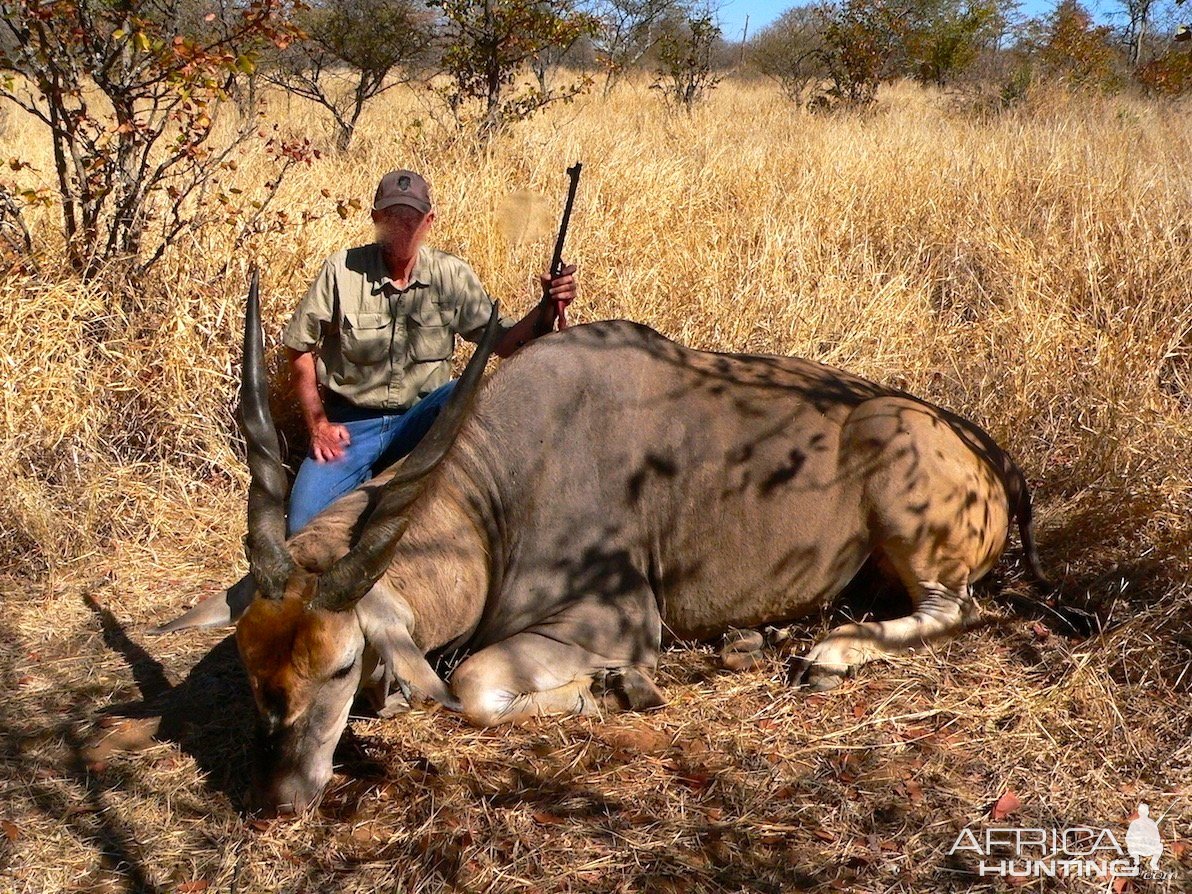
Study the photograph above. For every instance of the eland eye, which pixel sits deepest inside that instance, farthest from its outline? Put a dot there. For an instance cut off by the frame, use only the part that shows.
(343, 671)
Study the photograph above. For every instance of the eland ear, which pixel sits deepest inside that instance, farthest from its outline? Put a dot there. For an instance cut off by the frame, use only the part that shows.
(221, 610)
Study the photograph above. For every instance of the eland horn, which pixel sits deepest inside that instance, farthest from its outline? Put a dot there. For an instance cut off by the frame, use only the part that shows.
(268, 558)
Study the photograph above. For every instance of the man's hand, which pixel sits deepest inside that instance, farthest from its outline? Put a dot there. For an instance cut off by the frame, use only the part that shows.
(328, 440)
(559, 290)
(557, 293)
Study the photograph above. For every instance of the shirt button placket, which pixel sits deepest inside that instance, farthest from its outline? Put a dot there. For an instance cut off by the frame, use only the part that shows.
(395, 301)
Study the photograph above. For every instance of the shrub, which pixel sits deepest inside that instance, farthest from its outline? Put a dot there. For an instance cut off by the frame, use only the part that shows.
(1168, 75)
(1074, 50)
(686, 71)
(791, 52)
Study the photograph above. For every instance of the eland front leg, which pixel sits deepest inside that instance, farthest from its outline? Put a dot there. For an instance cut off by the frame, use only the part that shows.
(551, 668)
(527, 675)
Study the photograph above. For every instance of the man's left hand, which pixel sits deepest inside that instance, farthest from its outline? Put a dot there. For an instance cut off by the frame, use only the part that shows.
(560, 290)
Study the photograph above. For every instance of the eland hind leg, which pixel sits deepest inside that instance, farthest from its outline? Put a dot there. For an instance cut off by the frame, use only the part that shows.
(942, 609)
(938, 513)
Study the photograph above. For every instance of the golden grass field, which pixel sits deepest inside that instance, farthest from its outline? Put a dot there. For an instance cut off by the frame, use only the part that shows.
(1029, 270)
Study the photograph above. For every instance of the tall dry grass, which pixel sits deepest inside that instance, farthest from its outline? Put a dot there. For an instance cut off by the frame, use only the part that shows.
(1028, 270)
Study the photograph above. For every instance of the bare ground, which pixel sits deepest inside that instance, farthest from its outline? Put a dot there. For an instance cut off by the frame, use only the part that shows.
(1078, 707)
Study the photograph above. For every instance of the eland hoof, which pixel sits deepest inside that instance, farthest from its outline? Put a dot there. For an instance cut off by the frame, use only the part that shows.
(814, 676)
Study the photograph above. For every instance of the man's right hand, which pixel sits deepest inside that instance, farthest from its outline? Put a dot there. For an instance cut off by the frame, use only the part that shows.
(328, 440)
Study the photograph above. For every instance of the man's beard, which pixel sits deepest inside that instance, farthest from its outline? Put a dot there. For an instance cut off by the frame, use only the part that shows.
(399, 243)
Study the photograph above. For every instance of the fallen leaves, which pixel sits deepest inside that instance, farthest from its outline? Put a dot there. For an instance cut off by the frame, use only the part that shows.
(914, 792)
(639, 739)
(696, 780)
(1007, 804)
(118, 734)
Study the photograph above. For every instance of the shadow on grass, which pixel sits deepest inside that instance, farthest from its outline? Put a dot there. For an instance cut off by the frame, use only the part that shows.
(65, 790)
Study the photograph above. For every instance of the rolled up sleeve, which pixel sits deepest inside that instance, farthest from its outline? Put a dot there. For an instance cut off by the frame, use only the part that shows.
(305, 328)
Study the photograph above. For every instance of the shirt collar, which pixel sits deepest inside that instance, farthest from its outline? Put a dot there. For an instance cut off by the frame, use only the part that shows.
(419, 276)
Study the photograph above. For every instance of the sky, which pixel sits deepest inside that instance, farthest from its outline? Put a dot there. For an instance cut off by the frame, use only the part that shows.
(732, 13)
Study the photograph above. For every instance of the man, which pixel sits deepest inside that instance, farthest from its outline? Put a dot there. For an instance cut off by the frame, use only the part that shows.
(378, 329)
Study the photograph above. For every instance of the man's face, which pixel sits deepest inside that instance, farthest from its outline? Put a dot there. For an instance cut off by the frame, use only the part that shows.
(401, 228)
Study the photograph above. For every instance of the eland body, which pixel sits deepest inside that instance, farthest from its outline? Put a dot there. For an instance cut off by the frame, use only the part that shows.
(606, 489)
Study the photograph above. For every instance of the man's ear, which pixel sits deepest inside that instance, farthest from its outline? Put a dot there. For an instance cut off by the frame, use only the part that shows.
(385, 622)
(221, 610)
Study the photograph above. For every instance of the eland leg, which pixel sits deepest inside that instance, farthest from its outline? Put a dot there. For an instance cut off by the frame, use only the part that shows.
(742, 649)
(627, 689)
(938, 514)
(533, 675)
(941, 611)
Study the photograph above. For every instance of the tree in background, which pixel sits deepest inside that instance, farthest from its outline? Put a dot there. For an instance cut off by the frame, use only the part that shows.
(627, 30)
(943, 38)
(1169, 71)
(790, 50)
(551, 58)
(487, 44)
(1137, 15)
(129, 92)
(861, 43)
(350, 53)
(685, 57)
(1069, 47)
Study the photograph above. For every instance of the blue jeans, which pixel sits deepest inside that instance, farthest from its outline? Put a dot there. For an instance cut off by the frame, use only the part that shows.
(379, 438)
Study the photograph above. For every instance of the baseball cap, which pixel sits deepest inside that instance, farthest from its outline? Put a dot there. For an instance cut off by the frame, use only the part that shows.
(402, 188)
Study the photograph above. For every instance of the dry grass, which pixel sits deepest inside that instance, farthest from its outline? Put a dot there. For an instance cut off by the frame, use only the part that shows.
(1029, 271)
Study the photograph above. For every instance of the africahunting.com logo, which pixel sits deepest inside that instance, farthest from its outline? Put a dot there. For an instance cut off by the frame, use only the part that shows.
(1076, 852)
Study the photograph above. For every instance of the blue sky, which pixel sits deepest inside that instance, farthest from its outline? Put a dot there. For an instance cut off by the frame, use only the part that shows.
(761, 12)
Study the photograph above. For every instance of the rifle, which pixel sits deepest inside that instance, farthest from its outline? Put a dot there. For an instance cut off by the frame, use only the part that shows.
(556, 264)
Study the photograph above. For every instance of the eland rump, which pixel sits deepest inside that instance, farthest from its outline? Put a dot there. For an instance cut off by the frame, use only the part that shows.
(604, 489)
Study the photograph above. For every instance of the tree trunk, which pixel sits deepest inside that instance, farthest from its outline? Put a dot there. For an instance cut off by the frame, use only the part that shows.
(344, 133)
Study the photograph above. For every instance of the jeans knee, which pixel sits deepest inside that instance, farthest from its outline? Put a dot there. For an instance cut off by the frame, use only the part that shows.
(316, 487)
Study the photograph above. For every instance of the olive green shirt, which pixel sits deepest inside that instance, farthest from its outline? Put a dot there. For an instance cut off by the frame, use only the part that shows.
(381, 346)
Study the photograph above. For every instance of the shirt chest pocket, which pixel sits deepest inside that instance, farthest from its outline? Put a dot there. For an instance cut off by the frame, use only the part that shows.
(430, 343)
(431, 340)
(364, 338)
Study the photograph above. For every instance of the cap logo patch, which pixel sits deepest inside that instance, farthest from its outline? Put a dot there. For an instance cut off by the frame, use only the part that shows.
(403, 182)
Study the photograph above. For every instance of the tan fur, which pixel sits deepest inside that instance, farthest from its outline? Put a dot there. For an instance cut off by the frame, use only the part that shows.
(612, 489)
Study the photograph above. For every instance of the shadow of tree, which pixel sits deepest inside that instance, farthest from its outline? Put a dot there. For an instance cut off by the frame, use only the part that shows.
(66, 790)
